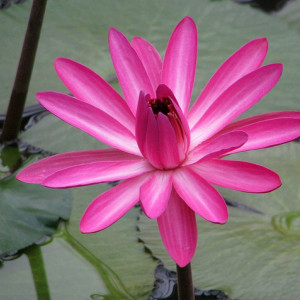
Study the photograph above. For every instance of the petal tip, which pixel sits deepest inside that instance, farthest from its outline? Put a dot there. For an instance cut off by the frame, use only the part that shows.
(59, 60)
(41, 95)
(20, 176)
(85, 226)
(113, 31)
(277, 183)
(188, 19)
(60, 63)
(277, 69)
(262, 40)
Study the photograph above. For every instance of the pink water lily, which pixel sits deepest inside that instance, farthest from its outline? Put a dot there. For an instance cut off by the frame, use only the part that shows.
(167, 155)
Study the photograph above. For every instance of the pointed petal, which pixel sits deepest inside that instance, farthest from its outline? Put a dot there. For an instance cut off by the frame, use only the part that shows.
(236, 125)
(155, 193)
(110, 206)
(217, 146)
(178, 230)
(247, 59)
(142, 121)
(89, 87)
(168, 149)
(151, 145)
(200, 196)
(89, 119)
(235, 100)
(260, 131)
(130, 70)
(238, 175)
(180, 60)
(270, 133)
(164, 92)
(97, 172)
(38, 171)
(150, 58)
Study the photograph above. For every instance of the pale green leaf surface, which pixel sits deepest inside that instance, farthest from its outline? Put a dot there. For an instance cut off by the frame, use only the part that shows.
(48, 272)
(57, 136)
(28, 212)
(291, 14)
(117, 245)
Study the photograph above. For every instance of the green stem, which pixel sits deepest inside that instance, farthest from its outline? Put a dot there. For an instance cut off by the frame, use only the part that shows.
(185, 286)
(113, 283)
(17, 100)
(38, 271)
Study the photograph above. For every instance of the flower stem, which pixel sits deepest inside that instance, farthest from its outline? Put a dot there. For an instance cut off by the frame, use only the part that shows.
(35, 257)
(185, 286)
(16, 105)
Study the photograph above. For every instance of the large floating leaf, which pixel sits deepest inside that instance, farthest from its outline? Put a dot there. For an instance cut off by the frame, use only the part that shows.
(48, 271)
(28, 212)
(56, 136)
(117, 245)
(252, 256)
(110, 264)
(291, 15)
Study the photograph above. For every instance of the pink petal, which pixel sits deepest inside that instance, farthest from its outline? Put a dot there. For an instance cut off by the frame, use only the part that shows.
(239, 97)
(38, 171)
(247, 59)
(168, 149)
(131, 73)
(200, 196)
(238, 175)
(142, 121)
(97, 172)
(164, 92)
(178, 230)
(217, 146)
(112, 205)
(270, 133)
(180, 60)
(89, 87)
(150, 58)
(89, 119)
(151, 145)
(155, 193)
(236, 125)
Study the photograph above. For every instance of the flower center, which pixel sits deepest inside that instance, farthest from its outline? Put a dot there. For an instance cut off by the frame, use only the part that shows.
(160, 105)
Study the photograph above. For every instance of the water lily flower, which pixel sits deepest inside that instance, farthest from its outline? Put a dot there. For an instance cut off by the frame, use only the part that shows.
(167, 155)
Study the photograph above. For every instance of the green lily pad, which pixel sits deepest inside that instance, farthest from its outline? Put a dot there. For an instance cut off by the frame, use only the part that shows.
(291, 15)
(29, 212)
(110, 264)
(80, 33)
(117, 245)
(47, 272)
(56, 136)
(252, 256)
